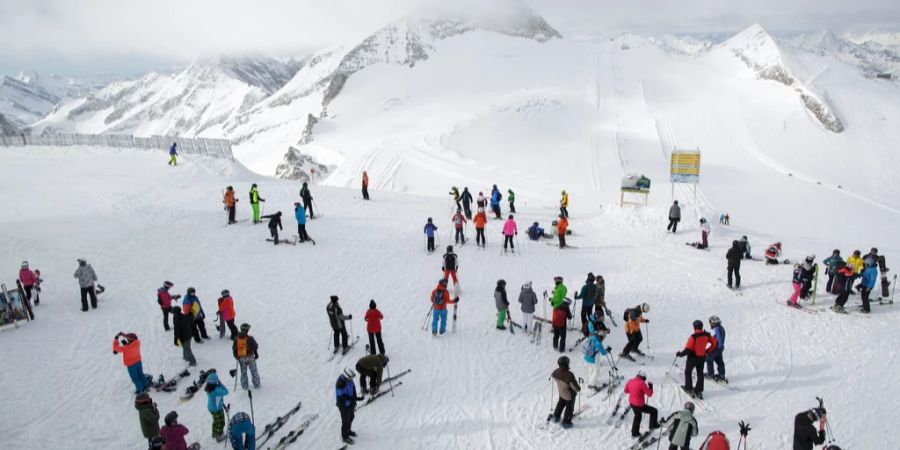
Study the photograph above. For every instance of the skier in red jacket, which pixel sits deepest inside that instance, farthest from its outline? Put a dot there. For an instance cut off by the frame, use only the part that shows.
(373, 327)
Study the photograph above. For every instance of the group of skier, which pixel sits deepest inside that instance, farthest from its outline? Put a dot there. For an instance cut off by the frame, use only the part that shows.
(301, 209)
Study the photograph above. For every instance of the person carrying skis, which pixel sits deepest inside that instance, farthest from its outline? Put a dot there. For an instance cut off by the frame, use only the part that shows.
(511, 198)
(715, 355)
(28, 280)
(841, 286)
(454, 192)
(174, 432)
(734, 257)
(674, 217)
(502, 304)
(634, 317)
(440, 298)
(559, 292)
(450, 265)
(230, 203)
(307, 198)
(480, 222)
(274, 226)
(808, 271)
(365, 185)
(466, 198)
(191, 306)
(587, 295)
(148, 414)
(535, 232)
(592, 347)
(242, 432)
(430, 228)
(855, 261)
(215, 404)
(568, 388)
(183, 330)
(371, 367)
(869, 277)
(300, 215)
(345, 391)
(373, 320)
(561, 315)
(562, 226)
(226, 315)
(684, 427)
(509, 230)
(529, 301)
(797, 281)
(246, 352)
(336, 319)
(495, 201)
(164, 299)
(772, 253)
(173, 154)
(564, 205)
(639, 391)
(481, 201)
(698, 345)
(831, 268)
(254, 202)
(130, 348)
(459, 220)
(744, 246)
(86, 278)
(805, 434)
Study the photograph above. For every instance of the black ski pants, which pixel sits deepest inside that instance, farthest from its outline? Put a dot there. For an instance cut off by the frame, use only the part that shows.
(307, 203)
(430, 244)
(564, 405)
(232, 330)
(639, 412)
(467, 209)
(340, 337)
(364, 375)
(365, 192)
(842, 297)
(634, 340)
(274, 232)
(830, 282)
(673, 225)
(373, 337)
(559, 338)
(460, 236)
(694, 364)
(562, 240)
(347, 415)
(864, 294)
(508, 240)
(479, 236)
(85, 292)
(715, 356)
(199, 329)
(585, 313)
(564, 211)
(301, 232)
(231, 211)
(736, 271)
(165, 312)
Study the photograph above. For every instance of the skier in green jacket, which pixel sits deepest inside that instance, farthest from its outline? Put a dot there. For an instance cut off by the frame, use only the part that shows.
(254, 202)
(559, 292)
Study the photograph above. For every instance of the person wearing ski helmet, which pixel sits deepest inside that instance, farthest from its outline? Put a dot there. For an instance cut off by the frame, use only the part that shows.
(559, 292)
(528, 299)
(130, 348)
(511, 198)
(809, 269)
(191, 306)
(346, 398)
(805, 434)
(246, 352)
(698, 345)
(535, 232)
(230, 204)
(430, 229)
(568, 388)
(148, 414)
(674, 217)
(242, 432)
(480, 222)
(274, 225)
(564, 204)
(450, 265)
(715, 355)
(454, 192)
(86, 279)
(174, 432)
(307, 198)
(164, 299)
(831, 263)
(561, 315)
(459, 220)
(173, 154)
(440, 298)
(28, 279)
(639, 390)
(855, 261)
(587, 295)
(634, 317)
(254, 202)
(841, 286)
(594, 346)
(772, 253)
(336, 319)
(226, 314)
(501, 301)
(466, 199)
(562, 227)
(495, 201)
(215, 403)
(797, 283)
(684, 427)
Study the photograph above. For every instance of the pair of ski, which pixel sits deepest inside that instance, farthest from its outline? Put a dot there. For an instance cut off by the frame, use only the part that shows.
(292, 435)
(724, 383)
(380, 394)
(535, 334)
(797, 307)
(568, 327)
(269, 429)
(283, 241)
(297, 239)
(546, 423)
(343, 352)
(615, 417)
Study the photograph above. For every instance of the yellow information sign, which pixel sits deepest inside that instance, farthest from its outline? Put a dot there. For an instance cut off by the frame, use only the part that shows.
(685, 166)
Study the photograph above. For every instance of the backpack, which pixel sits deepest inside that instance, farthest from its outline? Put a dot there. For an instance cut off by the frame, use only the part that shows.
(240, 346)
(589, 348)
(450, 261)
(716, 441)
(439, 297)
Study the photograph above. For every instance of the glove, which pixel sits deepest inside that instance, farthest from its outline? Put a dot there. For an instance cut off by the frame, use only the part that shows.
(350, 317)
(360, 398)
(650, 384)
(608, 349)
(680, 354)
(456, 300)
(115, 352)
(745, 428)
(646, 320)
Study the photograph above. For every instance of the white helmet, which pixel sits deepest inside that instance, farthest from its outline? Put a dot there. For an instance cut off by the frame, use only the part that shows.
(24, 264)
(642, 375)
(714, 320)
(349, 373)
(645, 308)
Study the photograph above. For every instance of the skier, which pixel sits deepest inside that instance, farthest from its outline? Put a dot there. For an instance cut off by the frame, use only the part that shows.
(562, 225)
(459, 220)
(274, 226)
(600, 301)
(502, 304)
(164, 299)
(634, 317)
(148, 414)
(568, 389)
(230, 203)
(450, 266)
(430, 228)
(704, 235)
(86, 278)
(805, 434)
(336, 318)
(345, 391)
(300, 215)
(535, 232)
(495, 201)
(855, 261)
(734, 256)
(772, 253)
(564, 205)
(559, 292)
(246, 352)
(454, 192)
(173, 154)
(869, 277)
(698, 346)
(191, 306)
(373, 327)
(841, 286)
(715, 355)
(365, 185)
(440, 298)
(722, 219)
(797, 281)
(130, 347)
(307, 198)
(674, 217)
(808, 272)
(371, 367)
(226, 315)
(242, 432)
(254, 202)
(215, 404)
(831, 263)
(716, 440)
(587, 295)
(639, 391)
(511, 198)
(481, 201)
(593, 346)
(174, 432)
(529, 301)
(28, 280)
(872, 257)
(561, 315)
(183, 330)
(509, 230)
(684, 427)
(745, 247)
(480, 221)
(466, 198)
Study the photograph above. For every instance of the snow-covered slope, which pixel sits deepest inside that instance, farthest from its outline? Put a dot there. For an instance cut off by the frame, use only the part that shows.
(28, 97)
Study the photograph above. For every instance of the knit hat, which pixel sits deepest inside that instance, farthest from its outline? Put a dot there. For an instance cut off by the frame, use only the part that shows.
(372, 304)
(171, 418)
(334, 298)
(213, 378)
(168, 284)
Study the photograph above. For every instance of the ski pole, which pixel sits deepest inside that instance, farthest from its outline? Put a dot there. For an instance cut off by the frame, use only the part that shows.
(659, 439)
(252, 416)
(672, 366)
(894, 289)
(425, 322)
(648, 335)
(237, 365)
(390, 382)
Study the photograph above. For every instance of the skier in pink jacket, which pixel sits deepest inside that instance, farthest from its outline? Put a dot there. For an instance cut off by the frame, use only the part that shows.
(638, 391)
(509, 230)
(26, 276)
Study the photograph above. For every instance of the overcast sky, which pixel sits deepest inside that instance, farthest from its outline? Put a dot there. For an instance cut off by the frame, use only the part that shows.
(132, 36)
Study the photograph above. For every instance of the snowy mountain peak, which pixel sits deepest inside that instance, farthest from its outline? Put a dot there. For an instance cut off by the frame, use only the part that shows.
(757, 46)
(266, 73)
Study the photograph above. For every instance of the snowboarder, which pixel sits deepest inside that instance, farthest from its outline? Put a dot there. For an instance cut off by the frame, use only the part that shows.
(242, 432)
(745, 247)
(215, 404)
(502, 303)
(371, 367)
(130, 348)
(86, 278)
(345, 391)
(797, 281)
(450, 265)
(373, 320)
(809, 270)
(561, 315)
(869, 277)
(230, 203)
(307, 198)
(466, 198)
(254, 202)
(535, 232)
(336, 319)
(174, 433)
(805, 434)
(28, 280)
(509, 230)
(639, 391)
(148, 414)
(716, 354)
(480, 221)
(300, 215)
(481, 201)
(559, 292)
(698, 345)
(365, 185)
(430, 228)
(831, 263)
(529, 300)
(568, 389)
(440, 298)
(459, 220)
(841, 286)
(587, 295)
(634, 317)
(274, 226)
(704, 235)
(772, 253)
(454, 192)
(226, 315)
(674, 217)
(564, 205)
(684, 427)
(592, 347)
(183, 330)
(855, 261)
(191, 306)
(173, 154)
(246, 352)
(495, 201)
(562, 226)
(511, 198)
(734, 256)
(164, 299)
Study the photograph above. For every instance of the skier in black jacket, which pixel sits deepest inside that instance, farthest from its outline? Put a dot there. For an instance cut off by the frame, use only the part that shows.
(336, 318)
(466, 199)
(274, 225)
(183, 329)
(734, 256)
(306, 196)
(805, 434)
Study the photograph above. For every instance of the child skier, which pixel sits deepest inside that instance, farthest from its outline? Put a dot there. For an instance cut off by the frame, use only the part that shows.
(130, 348)
(430, 228)
(373, 327)
(568, 389)
(715, 355)
(639, 391)
(440, 298)
(230, 203)
(148, 415)
(559, 292)
(564, 205)
(86, 278)
(215, 403)
(191, 306)
(841, 286)
(562, 226)
(480, 221)
(174, 433)
(529, 301)
(772, 253)
(173, 154)
(592, 347)
(300, 215)
(509, 230)
(869, 277)
(745, 247)
(242, 432)
(698, 345)
(274, 226)
(481, 201)
(226, 315)
(502, 304)
(797, 282)
(450, 265)
(704, 235)
(459, 220)
(561, 315)
(495, 201)
(634, 317)
(808, 273)
(28, 280)
(454, 192)
(164, 299)
(183, 329)
(511, 198)
(831, 263)
(535, 232)
(246, 352)
(254, 202)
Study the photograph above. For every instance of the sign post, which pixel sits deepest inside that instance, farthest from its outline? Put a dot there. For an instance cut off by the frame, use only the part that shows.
(685, 168)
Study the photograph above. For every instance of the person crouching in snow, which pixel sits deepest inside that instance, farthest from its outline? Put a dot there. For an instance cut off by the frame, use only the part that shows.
(274, 225)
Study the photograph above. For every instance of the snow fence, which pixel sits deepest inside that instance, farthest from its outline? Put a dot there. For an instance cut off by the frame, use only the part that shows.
(216, 148)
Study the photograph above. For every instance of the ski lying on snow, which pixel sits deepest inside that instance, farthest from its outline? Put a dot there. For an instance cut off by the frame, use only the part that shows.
(392, 378)
(546, 423)
(297, 239)
(272, 427)
(799, 307)
(294, 434)
(377, 396)
(283, 241)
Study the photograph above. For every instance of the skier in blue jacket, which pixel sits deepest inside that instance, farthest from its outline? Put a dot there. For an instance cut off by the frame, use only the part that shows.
(594, 346)
(715, 356)
(430, 228)
(495, 202)
(869, 277)
(300, 215)
(173, 154)
(345, 391)
(215, 403)
(242, 432)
